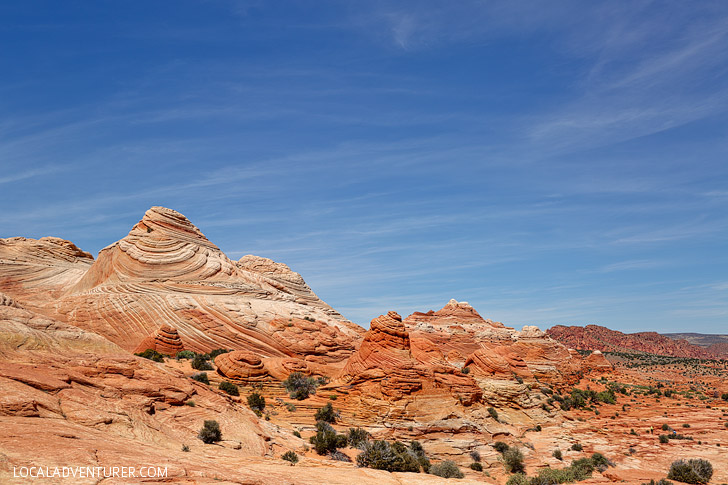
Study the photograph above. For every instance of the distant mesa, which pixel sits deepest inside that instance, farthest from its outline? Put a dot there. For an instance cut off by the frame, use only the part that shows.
(595, 337)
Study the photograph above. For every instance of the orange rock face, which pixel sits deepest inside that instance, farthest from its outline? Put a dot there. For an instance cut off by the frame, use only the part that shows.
(384, 366)
(166, 270)
(490, 348)
(597, 362)
(240, 364)
(165, 340)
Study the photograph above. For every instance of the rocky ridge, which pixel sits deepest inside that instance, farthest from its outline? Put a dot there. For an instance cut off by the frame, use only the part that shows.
(595, 337)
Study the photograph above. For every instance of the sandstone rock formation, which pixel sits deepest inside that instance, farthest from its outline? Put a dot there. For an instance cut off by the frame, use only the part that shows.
(597, 362)
(240, 364)
(385, 367)
(165, 340)
(491, 348)
(166, 270)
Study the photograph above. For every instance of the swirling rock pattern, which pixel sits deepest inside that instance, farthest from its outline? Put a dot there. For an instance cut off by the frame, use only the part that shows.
(166, 270)
(165, 340)
(240, 364)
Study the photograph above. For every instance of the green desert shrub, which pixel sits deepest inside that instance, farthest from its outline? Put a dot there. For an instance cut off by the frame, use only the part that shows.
(326, 440)
(229, 388)
(326, 414)
(577, 447)
(691, 471)
(210, 432)
(600, 462)
(297, 434)
(558, 455)
(185, 354)
(394, 457)
(339, 456)
(513, 460)
(256, 402)
(664, 438)
(493, 413)
(518, 479)
(447, 469)
(201, 377)
(290, 456)
(501, 447)
(217, 352)
(475, 455)
(418, 451)
(199, 362)
(476, 466)
(151, 355)
(357, 437)
(607, 397)
(465, 370)
(300, 386)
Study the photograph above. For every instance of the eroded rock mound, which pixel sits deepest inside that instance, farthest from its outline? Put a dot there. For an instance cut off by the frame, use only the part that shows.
(241, 364)
(165, 340)
(597, 362)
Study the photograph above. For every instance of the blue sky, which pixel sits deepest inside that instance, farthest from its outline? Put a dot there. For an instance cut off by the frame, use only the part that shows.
(549, 162)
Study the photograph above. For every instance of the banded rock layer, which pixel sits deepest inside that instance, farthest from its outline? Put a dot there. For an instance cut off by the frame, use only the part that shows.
(385, 368)
(166, 272)
(165, 340)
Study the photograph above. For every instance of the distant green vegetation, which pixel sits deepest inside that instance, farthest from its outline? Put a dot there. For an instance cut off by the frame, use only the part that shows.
(151, 355)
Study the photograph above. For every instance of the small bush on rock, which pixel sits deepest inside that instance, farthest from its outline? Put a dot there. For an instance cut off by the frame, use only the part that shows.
(256, 402)
(217, 352)
(200, 363)
(395, 457)
(201, 377)
(513, 460)
(518, 479)
(326, 414)
(357, 437)
(210, 432)
(151, 355)
(300, 386)
(446, 469)
(290, 456)
(229, 388)
(691, 471)
(326, 440)
(476, 466)
(501, 447)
